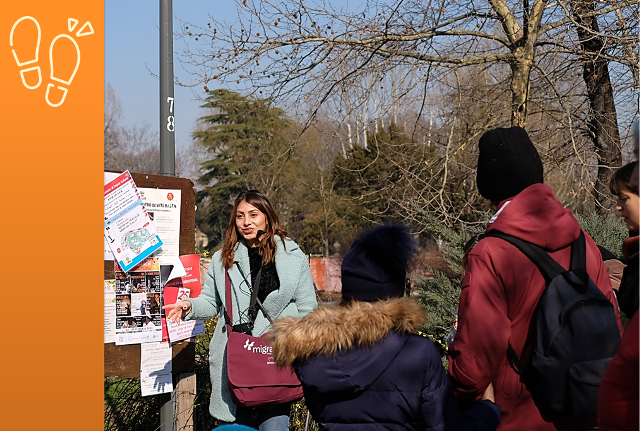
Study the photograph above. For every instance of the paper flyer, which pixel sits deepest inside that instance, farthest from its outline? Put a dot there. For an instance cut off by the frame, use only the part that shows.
(138, 302)
(184, 330)
(155, 369)
(165, 275)
(163, 208)
(128, 229)
(109, 311)
(108, 177)
(177, 269)
(187, 286)
(191, 277)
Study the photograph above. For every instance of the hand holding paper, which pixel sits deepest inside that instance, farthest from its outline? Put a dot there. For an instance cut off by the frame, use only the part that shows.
(178, 310)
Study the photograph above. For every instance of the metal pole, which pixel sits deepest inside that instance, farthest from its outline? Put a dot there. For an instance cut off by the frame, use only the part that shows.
(167, 108)
(167, 409)
(167, 148)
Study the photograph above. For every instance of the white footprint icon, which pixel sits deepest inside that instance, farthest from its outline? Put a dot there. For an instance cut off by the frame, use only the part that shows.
(85, 30)
(31, 59)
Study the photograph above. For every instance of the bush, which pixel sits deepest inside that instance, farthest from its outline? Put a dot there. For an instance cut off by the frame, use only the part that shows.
(607, 232)
(203, 419)
(126, 409)
(439, 295)
(439, 292)
(298, 418)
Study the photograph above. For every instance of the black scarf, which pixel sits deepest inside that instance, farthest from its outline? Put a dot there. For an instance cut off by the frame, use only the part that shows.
(269, 280)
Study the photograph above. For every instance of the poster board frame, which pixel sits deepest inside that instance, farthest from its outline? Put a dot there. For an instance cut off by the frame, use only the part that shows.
(124, 361)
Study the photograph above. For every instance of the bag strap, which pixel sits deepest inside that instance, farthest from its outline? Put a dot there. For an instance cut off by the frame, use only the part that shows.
(514, 359)
(579, 258)
(254, 292)
(228, 314)
(545, 263)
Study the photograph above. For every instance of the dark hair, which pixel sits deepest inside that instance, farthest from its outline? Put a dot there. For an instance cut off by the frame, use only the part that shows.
(267, 246)
(622, 177)
(473, 241)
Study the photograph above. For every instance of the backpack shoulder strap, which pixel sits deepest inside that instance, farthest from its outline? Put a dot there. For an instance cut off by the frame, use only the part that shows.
(548, 267)
(514, 359)
(545, 263)
(579, 258)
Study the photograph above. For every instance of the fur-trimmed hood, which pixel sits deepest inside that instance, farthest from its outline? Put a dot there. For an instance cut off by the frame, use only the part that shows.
(343, 350)
(331, 328)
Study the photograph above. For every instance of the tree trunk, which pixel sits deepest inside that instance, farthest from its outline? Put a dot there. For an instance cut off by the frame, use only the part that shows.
(603, 122)
(521, 72)
(350, 138)
(325, 216)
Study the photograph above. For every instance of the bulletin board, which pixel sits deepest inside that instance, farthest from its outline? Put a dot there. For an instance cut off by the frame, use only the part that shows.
(124, 361)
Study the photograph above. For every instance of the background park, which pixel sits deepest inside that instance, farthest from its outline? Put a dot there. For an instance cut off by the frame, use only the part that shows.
(350, 114)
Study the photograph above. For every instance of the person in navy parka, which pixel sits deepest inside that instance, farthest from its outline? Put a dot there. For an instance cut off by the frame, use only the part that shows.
(361, 363)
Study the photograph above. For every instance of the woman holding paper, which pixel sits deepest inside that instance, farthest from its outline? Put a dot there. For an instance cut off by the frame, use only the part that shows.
(254, 243)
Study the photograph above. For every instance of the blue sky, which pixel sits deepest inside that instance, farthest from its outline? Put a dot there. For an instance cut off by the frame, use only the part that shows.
(131, 55)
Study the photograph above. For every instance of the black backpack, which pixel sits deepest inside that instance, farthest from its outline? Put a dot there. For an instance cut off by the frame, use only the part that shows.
(573, 334)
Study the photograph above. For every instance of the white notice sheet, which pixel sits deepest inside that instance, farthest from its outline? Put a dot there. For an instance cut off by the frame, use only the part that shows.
(163, 208)
(109, 311)
(155, 368)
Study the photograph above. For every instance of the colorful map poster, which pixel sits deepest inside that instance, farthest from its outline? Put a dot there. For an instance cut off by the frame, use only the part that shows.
(127, 227)
(138, 302)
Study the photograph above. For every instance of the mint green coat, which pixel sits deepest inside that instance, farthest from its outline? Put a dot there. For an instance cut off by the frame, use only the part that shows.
(296, 297)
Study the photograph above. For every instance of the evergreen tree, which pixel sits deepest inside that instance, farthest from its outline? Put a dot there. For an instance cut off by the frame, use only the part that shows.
(374, 179)
(249, 149)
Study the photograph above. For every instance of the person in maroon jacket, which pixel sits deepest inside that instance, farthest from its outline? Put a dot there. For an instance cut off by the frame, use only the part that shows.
(618, 397)
(502, 286)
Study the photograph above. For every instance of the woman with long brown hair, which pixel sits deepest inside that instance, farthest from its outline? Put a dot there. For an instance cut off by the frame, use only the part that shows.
(256, 254)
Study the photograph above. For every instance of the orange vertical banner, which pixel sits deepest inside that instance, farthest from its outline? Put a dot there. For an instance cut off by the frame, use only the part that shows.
(51, 176)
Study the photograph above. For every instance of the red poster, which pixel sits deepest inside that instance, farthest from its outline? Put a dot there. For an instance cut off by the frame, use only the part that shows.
(181, 288)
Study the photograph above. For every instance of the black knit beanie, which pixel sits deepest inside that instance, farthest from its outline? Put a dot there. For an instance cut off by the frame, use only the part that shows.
(508, 163)
(375, 266)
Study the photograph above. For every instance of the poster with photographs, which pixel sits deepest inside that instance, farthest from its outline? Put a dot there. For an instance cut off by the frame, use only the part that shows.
(138, 305)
